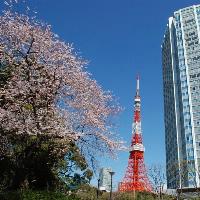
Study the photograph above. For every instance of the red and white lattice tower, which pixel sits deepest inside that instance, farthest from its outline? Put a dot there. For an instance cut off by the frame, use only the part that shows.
(136, 178)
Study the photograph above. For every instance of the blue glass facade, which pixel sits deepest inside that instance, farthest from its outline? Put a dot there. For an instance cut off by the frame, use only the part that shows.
(181, 87)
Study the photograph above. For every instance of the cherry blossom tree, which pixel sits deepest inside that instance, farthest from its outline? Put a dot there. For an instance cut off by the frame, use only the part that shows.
(47, 94)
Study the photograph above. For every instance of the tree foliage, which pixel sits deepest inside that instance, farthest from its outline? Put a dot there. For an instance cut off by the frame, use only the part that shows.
(158, 178)
(48, 92)
(48, 101)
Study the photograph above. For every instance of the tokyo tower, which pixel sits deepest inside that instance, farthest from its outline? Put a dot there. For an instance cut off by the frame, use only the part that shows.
(135, 178)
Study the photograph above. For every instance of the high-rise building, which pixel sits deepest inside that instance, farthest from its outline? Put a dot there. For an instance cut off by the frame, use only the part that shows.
(181, 86)
(105, 179)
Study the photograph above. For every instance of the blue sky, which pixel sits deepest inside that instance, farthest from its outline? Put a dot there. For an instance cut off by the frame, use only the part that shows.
(120, 38)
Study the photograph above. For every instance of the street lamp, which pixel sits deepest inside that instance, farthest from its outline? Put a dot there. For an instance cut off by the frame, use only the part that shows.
(111, 175)
(98, 189)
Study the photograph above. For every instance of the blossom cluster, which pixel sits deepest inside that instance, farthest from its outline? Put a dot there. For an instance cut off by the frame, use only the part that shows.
(48, 91)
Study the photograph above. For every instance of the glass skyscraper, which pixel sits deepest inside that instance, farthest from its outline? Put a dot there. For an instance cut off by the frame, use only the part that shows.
(181, 88)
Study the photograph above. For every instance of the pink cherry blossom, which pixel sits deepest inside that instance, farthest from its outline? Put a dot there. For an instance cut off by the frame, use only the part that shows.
(49, 92)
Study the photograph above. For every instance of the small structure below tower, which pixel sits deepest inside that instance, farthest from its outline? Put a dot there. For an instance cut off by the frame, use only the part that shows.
(105, 179)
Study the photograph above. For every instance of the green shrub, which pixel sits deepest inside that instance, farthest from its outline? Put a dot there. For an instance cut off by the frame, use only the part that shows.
(84, 193)
(10, 196)
(35, 195)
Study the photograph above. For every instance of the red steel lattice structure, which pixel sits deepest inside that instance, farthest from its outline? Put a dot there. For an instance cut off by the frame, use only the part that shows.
(135, 178)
